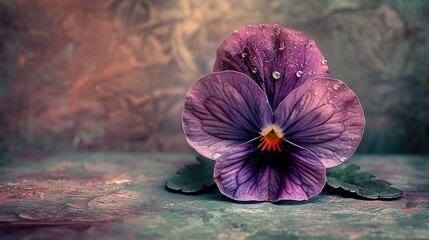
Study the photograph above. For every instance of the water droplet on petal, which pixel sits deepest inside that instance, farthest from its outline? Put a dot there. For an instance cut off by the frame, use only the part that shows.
(276, 75)
(243, 55)
(254, 70)
(216, 155)
(299, 73)
(324, 62)
(342, 159)
(316, 93)
(293, 114)
(349, 147)
(261, 25)
(336, 87)
(308, 45)
(282, 46)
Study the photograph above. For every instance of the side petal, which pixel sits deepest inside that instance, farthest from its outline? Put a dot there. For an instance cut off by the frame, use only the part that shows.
(245, 173)
(223, 110)
(325, 117)
(278, 59)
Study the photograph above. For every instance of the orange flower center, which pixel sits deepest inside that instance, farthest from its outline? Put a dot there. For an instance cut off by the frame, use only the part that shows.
(270, 139)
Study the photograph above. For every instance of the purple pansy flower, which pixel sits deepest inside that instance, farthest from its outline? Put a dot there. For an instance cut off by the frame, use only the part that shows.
(271, 117)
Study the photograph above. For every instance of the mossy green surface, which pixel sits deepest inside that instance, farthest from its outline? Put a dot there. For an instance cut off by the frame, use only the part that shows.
(122, 195)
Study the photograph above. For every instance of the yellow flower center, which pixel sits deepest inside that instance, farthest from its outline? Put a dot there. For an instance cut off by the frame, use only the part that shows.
(270, 138)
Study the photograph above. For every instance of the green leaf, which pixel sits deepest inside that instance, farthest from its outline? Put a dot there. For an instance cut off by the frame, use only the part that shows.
(194, 177)
(363, 184)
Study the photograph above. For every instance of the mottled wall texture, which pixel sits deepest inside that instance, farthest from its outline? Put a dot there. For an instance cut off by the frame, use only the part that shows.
(112, 75)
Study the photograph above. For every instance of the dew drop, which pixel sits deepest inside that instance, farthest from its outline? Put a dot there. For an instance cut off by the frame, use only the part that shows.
(292, 116)
(308, 45)
(282, 46)
(316, 93)
(336, 87)
(254, 70)
(349, 147)
(276, 75)
(299, 73)
(243, 55)
(261, 25)
(216, 155)
(342, 159)
(324, 62)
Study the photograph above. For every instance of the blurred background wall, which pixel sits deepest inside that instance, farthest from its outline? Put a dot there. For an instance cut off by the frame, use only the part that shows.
(112, 75)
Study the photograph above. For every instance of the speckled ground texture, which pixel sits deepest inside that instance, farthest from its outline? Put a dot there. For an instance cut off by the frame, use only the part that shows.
(122, 195)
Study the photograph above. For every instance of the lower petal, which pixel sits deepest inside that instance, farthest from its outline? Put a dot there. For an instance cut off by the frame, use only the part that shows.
(245, 173)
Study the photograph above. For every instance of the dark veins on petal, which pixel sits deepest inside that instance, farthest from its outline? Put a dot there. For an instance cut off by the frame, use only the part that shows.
(246, 173)
(260, 51)
(323, 116)
(223, 110)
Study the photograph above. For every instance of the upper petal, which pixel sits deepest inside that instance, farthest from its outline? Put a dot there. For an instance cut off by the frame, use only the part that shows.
(245, 173)
(223, 110)
(325, 117)
(272, 56)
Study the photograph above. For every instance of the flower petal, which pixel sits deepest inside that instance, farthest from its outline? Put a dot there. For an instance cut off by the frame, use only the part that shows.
(223, 110)
(323, 116)
(272, 56)
(245, 173)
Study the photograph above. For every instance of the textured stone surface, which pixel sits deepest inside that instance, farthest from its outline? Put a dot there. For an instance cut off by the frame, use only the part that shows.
(112, 75)
(110, 196)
